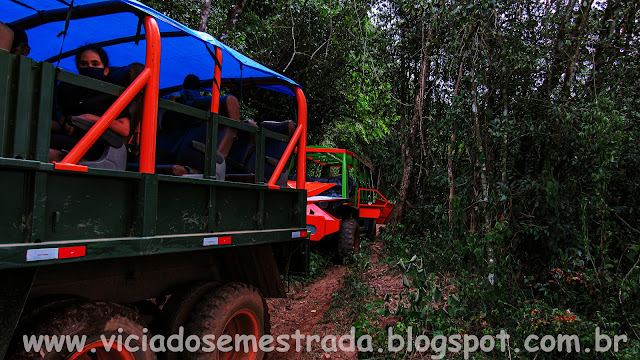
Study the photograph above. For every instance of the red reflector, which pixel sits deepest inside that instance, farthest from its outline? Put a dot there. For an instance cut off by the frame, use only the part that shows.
(224, 240)
(72, 252)
(303, 234)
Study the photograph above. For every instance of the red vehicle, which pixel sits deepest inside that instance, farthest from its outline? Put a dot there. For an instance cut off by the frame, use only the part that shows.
(342, 198)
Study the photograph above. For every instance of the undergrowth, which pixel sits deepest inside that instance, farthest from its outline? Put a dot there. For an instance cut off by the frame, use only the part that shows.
(454, 289)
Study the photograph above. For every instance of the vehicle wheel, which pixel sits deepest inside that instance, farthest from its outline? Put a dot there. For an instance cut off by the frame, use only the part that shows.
(177, 310)
(232, 309)
(349, 238)
(370, 226)
(36, 308)
(92, 320)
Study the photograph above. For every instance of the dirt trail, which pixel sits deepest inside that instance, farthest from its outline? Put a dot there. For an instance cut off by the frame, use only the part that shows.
(307, 309)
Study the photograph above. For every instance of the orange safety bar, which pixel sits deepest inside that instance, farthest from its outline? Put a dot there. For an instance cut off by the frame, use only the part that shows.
(215, 89)
(299, 137)
(149, 78)
(150, 109)
(372, 205)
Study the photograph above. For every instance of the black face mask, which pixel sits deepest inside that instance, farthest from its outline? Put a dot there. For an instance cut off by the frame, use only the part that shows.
(92, 72)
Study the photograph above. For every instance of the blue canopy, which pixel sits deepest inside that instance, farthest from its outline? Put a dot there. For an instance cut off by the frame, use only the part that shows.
(115, 25)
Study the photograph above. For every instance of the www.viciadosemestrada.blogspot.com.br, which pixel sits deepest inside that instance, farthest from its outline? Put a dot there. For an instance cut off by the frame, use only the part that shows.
(437, 346)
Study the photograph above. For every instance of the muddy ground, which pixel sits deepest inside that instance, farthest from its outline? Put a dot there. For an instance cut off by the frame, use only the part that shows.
(310, 308)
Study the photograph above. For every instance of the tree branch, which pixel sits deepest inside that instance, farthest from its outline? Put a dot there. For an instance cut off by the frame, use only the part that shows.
(293, 36)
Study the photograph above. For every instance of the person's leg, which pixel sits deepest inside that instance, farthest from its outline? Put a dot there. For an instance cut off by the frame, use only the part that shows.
(60, 142)
(55, 155)
(229, 107)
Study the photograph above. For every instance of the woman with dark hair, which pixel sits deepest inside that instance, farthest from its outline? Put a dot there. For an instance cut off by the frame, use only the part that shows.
(19, 42)
(93, 62)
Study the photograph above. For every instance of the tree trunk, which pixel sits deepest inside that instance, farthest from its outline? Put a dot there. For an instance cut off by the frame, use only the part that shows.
(605, 44)
(408, 147)
(576, 36)
(233, 14)
(204, 15)
(451, 147)
(559, 50)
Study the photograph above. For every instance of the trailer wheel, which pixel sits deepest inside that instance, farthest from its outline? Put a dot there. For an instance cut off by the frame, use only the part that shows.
(349, 238)
(91, 320)
(177, 310)
(232, 309)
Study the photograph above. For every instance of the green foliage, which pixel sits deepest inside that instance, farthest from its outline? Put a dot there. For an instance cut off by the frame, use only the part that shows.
(319, 262)
(532, 107)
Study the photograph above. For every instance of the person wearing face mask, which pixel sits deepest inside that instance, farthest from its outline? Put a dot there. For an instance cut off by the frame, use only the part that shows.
(93, 62)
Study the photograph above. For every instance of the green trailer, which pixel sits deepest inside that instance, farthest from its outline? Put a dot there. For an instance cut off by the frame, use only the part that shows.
(96, 251)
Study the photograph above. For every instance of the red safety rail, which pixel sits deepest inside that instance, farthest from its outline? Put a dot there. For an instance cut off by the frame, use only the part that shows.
(374, 209)
(334, 151)
(385, 201)
(149, 78)
(300, 138)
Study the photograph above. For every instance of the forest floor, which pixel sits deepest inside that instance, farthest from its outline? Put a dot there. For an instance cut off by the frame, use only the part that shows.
(332, 304)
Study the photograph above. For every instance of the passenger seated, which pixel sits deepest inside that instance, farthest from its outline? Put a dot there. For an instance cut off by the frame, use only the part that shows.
(190, 160)
(91, 61)
(243, 148)
(190, 93)
(16, 37)
(6, 37)
(241, 163)
(274, 149)
(175, 124)
(179, 133)
(124, 75)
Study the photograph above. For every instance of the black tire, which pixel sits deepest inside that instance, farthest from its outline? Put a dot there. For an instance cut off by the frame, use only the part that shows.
(231, 309)
(177, 311)
(349, 238)
(370, 226)
(35, 309)
(90, 319)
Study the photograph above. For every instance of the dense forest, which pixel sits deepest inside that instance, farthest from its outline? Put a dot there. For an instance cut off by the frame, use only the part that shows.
(505, 131)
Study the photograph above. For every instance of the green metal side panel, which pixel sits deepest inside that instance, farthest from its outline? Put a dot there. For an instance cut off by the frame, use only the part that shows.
(281, 211)
(114, 214)
(8, 90)
(45, 110)
(237, 210)
(21, 135)
(15, 208)
(91, 207)
(212, 147)
(182, 208)
(22, 129)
